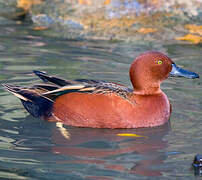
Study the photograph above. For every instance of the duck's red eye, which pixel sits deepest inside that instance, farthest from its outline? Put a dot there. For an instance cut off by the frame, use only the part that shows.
(159, 62)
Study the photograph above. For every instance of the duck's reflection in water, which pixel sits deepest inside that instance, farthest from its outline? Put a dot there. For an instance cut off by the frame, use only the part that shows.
(107, 150)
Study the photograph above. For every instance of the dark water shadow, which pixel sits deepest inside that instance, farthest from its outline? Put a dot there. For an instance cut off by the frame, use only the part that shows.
(103, 147)
(101, 151)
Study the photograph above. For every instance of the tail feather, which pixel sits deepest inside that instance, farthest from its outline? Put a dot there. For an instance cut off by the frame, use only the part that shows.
(45, 87)
(36, 104)
(15, 91)
(55, 80)
(61, 82)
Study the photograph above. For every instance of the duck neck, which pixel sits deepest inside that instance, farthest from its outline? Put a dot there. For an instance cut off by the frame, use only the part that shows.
(144, 82)
(147, 88)
(147, 91)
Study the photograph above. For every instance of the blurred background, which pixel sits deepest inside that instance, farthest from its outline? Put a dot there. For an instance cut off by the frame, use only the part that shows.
(110, 19)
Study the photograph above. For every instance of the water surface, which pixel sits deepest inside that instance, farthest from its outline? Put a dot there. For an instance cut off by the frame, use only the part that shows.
(31, 148)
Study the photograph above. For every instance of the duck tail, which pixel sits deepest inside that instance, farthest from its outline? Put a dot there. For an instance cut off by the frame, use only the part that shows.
(51, 79)
(37, 105)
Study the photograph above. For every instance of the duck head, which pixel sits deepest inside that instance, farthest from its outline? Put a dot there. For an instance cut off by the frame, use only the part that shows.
(149, 69)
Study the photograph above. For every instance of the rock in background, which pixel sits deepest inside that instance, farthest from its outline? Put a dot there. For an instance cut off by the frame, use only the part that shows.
(128, 20)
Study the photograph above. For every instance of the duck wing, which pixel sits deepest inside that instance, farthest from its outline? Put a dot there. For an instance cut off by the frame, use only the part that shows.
(54, 87)
(81, 85)
(39, 98)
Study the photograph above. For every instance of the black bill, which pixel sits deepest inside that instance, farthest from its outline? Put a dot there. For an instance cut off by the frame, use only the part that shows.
(179, 72)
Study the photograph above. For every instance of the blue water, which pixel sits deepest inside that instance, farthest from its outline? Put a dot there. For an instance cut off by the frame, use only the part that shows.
(31, 148)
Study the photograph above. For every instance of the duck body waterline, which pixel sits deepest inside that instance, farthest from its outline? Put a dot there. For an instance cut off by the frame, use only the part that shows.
(111, 111)
(101, 104)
